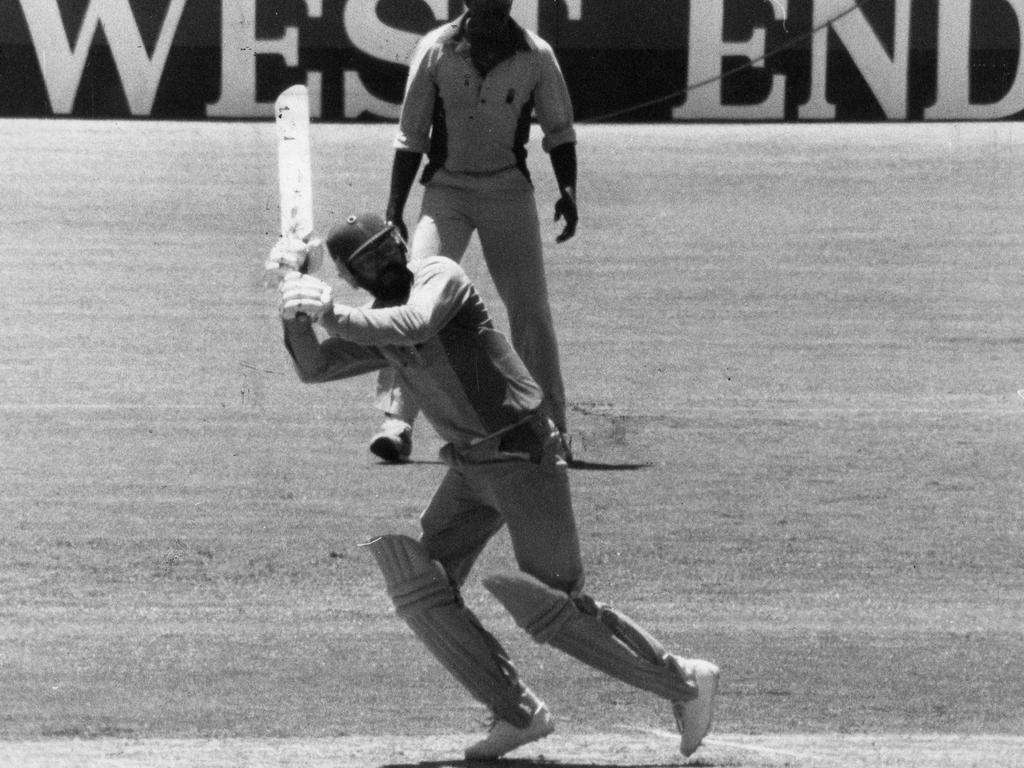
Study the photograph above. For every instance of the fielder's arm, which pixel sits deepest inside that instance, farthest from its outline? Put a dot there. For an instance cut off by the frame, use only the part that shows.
(412, 140)
(403, 174)
(553, 107)
(563, 162)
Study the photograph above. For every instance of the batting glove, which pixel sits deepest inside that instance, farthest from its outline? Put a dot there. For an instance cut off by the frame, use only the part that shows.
(293, 254)
(304, 295)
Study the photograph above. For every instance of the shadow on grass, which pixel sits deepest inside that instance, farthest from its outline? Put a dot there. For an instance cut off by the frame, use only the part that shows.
(597, 466)
(514, 763)
(408, 462)
(593, 466)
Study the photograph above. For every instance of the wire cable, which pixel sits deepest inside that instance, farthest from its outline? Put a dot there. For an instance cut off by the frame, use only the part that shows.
(746, 65)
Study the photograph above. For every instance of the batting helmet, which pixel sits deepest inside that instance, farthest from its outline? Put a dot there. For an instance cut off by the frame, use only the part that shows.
(353, 235)
(362, 246)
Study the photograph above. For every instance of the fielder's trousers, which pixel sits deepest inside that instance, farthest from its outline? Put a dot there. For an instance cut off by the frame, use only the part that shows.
(502, 210)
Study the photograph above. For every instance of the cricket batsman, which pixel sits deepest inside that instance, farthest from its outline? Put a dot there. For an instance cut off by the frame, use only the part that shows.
(428, 324)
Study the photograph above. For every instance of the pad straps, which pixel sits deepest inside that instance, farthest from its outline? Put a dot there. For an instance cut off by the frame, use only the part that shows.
(430, 604)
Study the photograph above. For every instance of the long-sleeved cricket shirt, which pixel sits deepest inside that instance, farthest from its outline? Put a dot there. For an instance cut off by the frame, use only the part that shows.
(462, 372)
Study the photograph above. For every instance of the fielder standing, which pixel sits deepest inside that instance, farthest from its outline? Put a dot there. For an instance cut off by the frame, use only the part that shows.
(473, 86)
(505, 467)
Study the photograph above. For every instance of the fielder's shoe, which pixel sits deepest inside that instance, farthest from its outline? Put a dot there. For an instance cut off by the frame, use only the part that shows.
(393, 443)
(693, 717)
(504, 737)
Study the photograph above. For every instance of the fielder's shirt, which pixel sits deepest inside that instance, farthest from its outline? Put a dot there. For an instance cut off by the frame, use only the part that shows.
(468, 123)
(462, 372)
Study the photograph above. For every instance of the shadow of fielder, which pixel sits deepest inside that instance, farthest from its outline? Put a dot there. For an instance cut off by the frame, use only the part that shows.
(523, 763)
(596, 466)
(593, 466)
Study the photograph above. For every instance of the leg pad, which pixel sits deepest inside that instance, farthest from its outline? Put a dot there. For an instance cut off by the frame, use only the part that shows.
(428, 602)
(592, 633)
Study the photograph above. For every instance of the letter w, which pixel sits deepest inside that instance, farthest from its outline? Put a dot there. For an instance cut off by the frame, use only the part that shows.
(62, 61)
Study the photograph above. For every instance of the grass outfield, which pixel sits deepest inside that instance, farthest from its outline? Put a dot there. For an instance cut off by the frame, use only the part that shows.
(792, 353)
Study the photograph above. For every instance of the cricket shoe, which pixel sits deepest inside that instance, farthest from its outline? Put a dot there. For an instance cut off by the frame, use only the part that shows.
(504, 737)
(393, 443)
(693, 716)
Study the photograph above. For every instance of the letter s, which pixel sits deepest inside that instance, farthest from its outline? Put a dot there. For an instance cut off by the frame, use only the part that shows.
(371, 36)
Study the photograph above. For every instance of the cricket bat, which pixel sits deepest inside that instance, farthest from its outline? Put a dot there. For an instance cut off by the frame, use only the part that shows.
(293, 161)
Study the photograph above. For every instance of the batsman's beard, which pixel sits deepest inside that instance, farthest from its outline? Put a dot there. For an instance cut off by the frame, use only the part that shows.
(392, 285)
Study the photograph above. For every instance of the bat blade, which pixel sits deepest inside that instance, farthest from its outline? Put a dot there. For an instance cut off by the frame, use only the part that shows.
(293, 157)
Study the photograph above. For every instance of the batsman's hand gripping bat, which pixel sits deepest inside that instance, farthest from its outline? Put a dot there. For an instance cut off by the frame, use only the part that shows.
(292, 254)
(296, 249)
(304, 295)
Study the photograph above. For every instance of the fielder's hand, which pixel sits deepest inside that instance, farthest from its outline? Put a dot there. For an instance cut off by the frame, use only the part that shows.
(400, 226)
(393, 215)
(304, 295)
(566, 208)
(292, 253)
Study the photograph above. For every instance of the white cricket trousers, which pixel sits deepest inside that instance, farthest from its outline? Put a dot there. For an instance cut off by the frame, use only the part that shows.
(502, 210)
